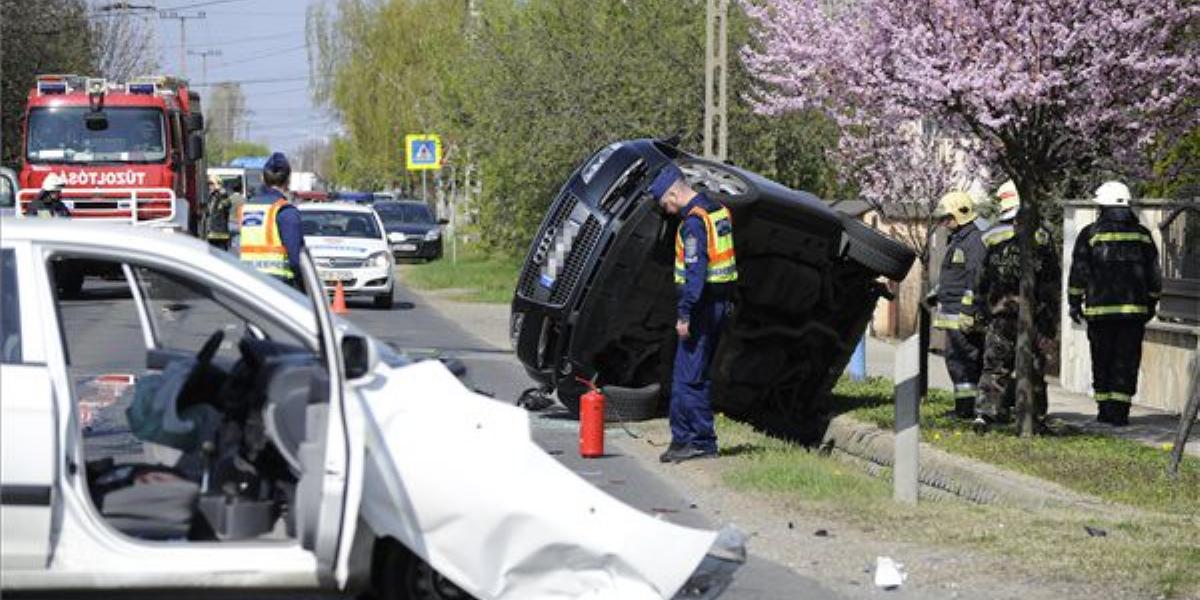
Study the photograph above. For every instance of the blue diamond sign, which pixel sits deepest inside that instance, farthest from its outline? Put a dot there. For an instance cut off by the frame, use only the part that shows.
(422, 152)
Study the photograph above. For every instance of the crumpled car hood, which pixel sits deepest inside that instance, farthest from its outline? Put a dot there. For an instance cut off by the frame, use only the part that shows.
(457, 478)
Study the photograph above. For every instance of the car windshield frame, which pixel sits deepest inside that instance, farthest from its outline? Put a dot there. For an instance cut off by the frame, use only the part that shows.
(74, 143)
(403, 213)
(326, 228)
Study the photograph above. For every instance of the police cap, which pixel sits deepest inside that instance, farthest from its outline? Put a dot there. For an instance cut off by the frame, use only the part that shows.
(665, 179)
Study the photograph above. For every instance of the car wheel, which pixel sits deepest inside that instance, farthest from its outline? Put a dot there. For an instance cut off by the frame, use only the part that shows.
(872, 250)
(401, 575)
(384, 301)
(631, 404)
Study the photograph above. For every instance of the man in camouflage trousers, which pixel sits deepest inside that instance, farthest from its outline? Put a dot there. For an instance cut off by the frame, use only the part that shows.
(997, 293)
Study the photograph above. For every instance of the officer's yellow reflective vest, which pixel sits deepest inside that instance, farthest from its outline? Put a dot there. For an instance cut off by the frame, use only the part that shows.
(262, 247)
(722, 265)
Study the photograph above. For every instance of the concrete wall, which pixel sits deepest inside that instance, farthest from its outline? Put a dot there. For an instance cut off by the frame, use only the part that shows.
(1169, 350)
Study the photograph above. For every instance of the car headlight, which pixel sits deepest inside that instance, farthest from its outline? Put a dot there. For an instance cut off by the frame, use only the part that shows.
(379, 259)
(395, 236)
(432, 235)
(597, 161)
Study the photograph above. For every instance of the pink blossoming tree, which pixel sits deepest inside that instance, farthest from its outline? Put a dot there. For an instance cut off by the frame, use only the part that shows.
(1043, 87)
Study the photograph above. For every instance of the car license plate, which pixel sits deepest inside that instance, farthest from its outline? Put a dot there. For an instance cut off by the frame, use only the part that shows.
(337, 275)
(404, 247)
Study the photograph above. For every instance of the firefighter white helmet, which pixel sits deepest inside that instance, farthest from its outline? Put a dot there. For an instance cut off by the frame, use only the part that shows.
(53, 183)
(1009, 201)
(1112, 193)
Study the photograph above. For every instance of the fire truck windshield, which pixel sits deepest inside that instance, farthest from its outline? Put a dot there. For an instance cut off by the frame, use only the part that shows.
(60, 135)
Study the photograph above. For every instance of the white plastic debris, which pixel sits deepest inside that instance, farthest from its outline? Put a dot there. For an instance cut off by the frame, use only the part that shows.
(889, 574)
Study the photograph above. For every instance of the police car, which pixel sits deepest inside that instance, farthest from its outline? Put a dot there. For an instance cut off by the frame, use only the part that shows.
(263, 444)
(350, 246)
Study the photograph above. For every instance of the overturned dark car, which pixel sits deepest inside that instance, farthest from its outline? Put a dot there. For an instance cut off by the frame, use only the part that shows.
(596, 298)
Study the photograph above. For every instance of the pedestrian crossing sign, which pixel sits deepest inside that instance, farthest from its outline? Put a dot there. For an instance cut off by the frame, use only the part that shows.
(422, 152)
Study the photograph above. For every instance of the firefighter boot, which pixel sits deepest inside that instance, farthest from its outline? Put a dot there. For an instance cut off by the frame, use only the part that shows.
(1118, 414)
(1104, 411)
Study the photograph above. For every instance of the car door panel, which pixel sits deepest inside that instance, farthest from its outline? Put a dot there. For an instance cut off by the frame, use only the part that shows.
(29, 451)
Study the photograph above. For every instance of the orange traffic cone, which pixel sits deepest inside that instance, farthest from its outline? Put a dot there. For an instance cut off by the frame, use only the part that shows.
(339, 300)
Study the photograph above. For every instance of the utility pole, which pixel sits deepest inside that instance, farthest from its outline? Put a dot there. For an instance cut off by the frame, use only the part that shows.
(716, 123)
(204, 61)
(183, 19)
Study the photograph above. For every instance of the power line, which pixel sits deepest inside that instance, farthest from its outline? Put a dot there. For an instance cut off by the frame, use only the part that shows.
(253, 81)
(244, 40)
(261, 56)
(200, 4)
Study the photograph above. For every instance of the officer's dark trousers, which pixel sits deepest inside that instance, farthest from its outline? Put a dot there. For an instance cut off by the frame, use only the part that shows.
(964, 361)
(691, 411)
(1116, 355)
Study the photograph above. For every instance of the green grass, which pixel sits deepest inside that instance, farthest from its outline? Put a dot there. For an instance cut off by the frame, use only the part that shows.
(1112, 468)
(477, 277)
(771, 465)
(1145, 553)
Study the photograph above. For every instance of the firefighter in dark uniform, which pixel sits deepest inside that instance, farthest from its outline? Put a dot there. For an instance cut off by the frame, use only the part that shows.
(271, 233)
(996, 302)
(217, 218)
(49, 201)
(960, 268)
(705, 276)
(1114, 285)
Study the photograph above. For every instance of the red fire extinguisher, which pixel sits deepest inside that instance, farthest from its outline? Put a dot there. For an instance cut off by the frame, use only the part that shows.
(591, 422)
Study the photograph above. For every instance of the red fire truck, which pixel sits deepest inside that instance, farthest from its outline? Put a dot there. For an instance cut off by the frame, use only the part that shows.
(130, 151)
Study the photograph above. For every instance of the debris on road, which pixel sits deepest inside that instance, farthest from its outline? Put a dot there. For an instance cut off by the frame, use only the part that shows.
(1094, 531)
(889, 574)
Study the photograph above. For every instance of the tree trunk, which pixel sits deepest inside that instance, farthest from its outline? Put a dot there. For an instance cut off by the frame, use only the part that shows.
(1027, 225)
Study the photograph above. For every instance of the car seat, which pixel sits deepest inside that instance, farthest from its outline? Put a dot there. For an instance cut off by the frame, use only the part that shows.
(356, 226)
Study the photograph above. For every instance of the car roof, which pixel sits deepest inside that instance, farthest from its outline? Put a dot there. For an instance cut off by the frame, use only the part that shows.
(335, 206)
(101, 233)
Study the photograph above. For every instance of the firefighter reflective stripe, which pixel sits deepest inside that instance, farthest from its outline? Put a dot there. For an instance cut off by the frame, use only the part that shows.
(998, 234)
(968, 298)
(946, 321)
(1120, 236)
(1112, 397)
(1075, 291)
(1116, 309)
(722, 264)
(964, 390)
(261, 246)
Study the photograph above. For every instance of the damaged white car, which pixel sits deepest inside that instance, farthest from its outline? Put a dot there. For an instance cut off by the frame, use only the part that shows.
(260, 444)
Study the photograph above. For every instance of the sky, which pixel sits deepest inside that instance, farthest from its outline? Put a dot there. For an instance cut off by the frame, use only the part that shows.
(258, 40)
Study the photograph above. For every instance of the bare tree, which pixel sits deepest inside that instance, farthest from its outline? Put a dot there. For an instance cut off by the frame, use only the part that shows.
(125, 41)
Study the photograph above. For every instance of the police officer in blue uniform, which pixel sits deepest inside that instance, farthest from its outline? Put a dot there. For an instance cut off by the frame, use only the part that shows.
(271, 230)
(705, 275)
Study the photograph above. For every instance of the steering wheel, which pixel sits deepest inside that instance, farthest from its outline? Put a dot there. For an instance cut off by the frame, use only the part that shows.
(194, 389)
(209, 349)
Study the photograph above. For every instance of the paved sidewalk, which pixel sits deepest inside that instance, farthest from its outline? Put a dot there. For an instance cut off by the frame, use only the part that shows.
(1146, 425)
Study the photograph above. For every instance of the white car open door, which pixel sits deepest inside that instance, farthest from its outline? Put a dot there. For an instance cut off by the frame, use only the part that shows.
(327, 495)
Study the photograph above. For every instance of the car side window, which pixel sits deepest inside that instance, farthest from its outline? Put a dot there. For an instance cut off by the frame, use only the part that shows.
(8, 195)
(10, 309)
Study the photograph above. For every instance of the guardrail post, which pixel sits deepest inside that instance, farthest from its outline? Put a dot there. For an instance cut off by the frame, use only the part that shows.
(906, 469)
(1186, 421)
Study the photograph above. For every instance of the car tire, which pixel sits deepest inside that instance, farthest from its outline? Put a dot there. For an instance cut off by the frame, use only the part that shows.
(399, 574)
(384, 301)
(624, 404)
(872, 250)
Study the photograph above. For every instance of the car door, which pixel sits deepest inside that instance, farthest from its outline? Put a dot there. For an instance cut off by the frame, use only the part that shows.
(329, 531)
(28, 421)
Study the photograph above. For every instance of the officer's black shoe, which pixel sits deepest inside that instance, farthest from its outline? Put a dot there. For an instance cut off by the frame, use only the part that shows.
(964, 408)
(1119, 414)
(687, 452)
(667, 455)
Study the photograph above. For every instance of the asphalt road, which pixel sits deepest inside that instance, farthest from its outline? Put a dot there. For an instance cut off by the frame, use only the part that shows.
(103, 336)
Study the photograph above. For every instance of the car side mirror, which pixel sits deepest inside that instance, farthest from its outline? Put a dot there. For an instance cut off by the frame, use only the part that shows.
(195, 147)
(359, 356)
(195, 121)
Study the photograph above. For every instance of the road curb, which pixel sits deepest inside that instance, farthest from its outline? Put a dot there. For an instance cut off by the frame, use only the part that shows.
(943, 475)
